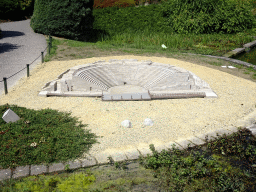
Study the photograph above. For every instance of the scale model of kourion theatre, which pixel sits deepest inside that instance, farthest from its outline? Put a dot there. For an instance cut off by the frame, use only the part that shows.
(128, 79)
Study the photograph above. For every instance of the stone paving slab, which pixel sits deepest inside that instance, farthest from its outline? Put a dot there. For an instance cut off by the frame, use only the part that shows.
(144, 151)
(222, 132)
(38, 169)
(74, 164)
(5, 174)
(119, 156)
(253, 131)
(22, 171)
(232, 129)
(56, 167)
(196, 141)
(249, 45)
(184, 143)
(126, 97)
(102, 158)
(208, 136)
(88, 161)
(176, 145)
(132, 154)
(159, 148)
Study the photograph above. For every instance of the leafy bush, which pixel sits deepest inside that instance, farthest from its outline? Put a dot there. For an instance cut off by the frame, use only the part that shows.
(16, 9)
(115, 20)
(63, 18)
(219, 16)
(8, 7)
(41, 183)
(44, 136)
(99, 4)
(196, 170)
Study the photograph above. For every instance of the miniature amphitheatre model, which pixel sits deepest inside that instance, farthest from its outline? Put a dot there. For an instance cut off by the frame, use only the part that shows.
(128, 79)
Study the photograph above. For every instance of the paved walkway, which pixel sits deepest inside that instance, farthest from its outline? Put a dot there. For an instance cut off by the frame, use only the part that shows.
(19, 46)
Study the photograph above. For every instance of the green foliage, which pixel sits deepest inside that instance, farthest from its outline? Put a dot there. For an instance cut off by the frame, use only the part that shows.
(241, 145)
(16, 9)
(130, 19)
(197, 170)
(75, 182)
(44, 136)
(182, 17)
(63, 18)
(207, 16)
(99, 4)
(8, 7)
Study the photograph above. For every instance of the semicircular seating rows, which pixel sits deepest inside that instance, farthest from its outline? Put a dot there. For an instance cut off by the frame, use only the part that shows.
(128, 79)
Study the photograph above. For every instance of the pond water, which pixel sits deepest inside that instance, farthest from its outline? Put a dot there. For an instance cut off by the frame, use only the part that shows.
(249, 57)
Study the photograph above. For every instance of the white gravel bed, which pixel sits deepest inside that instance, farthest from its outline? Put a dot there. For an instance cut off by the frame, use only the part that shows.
(174, 119)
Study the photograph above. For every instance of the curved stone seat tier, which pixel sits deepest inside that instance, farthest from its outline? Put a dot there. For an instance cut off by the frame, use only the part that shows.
(128, 79)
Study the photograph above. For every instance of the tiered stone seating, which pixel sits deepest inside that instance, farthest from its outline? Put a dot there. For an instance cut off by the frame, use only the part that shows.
(88, 77)
(149, 74)
(102, 76)
(97, 79)
(162, 76)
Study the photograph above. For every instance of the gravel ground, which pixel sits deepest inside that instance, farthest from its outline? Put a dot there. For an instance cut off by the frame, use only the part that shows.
(174, 119)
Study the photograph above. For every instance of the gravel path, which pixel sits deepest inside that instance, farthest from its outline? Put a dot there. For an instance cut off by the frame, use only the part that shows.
(174, 119)
(19, 46)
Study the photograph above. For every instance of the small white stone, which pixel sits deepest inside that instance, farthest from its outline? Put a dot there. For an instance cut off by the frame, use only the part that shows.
(224, 66)
(164, 46)
(33, 144)
(148, 122)
(126, 123)
(231, 67)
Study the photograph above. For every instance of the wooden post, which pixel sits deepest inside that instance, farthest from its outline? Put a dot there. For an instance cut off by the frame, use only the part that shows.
(42, 53)
(27, 70)
(50, 40)
(5, 85)
(49, 48)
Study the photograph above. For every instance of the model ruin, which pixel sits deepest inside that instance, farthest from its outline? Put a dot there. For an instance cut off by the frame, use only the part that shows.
(128, 79)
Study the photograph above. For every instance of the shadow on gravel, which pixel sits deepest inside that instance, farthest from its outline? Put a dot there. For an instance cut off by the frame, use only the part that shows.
(7, 47)
(6, 34)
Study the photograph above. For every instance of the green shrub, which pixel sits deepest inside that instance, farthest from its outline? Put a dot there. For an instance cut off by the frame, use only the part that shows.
(219, 16)
(16, 9)
(116, 20)
(227, 166)
(63, 18)
(44, 136)
(8, 7)
(41, 183)
(99, 4)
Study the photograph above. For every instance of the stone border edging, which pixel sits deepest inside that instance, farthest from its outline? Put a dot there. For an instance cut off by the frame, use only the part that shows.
(234, 52)
(229, 59)
(102, 158)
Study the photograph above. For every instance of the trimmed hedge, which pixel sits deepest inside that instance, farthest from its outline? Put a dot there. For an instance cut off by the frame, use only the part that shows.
(100, 4)
(208, 16)
(119, 20)
(63, 18)
(179, 16)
